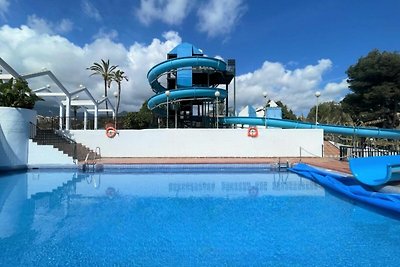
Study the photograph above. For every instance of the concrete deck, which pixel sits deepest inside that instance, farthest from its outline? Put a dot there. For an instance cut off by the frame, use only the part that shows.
(326, 163)
(330, 161)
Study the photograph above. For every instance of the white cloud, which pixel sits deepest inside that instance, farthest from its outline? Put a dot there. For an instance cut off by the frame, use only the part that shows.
(4, 4)
(215, 17)
(219, 17)
(102, 33)
(90, 10)
(64, 26)
(295, 88)
(28, 51)
(171, 12)
(332, 90)
(41, 25)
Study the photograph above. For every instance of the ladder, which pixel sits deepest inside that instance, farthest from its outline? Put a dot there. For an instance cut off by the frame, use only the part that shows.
(90, 166)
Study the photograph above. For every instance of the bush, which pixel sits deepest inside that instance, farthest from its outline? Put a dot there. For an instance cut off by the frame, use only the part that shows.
(17, 94)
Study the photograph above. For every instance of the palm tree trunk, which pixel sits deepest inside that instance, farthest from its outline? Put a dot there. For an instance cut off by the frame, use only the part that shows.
(118, 101)
(105, 94)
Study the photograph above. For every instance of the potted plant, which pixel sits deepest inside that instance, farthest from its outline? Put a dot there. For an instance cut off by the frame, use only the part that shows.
(16, 120)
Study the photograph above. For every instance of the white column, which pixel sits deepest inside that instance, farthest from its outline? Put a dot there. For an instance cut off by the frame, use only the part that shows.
(61, 115)
(85, 119)
(96, 112)
(67, 113)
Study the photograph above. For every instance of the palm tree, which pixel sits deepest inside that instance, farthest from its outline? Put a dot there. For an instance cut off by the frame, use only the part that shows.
(104, 69)
(118, 76)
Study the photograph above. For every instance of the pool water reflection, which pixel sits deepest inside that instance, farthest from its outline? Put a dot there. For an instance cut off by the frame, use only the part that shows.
(213, 218)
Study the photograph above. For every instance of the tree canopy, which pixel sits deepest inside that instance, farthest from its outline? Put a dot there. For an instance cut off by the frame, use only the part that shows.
(143, 119)
(286, 112)
(103, 69)
(330, 113)
(374, 82)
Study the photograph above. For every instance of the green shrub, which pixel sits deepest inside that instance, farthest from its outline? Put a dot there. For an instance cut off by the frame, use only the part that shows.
(17, 94)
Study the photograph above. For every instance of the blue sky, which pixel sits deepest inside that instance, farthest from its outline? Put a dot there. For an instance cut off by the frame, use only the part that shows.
(288, 48)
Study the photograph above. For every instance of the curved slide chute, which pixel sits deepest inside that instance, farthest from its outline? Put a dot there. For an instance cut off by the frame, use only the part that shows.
(185, 92)
(335, 129)
(192, 93)
(376, 170)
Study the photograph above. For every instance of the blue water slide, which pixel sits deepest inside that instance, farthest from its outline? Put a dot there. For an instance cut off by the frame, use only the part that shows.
(350, 188)
(376, 170)
(182, 62)
(328, 128)
(188, 92)
(191, 93)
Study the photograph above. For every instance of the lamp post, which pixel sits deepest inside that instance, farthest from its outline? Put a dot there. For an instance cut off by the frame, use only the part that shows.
(265, 108)
(217, 94)
(167, 94)
(317, 95)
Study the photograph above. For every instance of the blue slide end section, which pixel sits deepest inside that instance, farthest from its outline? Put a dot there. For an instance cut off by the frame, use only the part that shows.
(350, 188)
(376, 170)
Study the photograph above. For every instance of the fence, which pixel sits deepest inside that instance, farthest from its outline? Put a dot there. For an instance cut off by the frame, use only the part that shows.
(347, 152)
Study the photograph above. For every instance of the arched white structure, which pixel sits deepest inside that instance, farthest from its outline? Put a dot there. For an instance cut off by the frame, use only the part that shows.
(65, 97)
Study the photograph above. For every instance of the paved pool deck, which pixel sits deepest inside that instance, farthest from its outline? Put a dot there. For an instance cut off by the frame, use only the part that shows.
(326, 163)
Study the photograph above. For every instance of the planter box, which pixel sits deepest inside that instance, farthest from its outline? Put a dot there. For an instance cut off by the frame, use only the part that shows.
(15, 131)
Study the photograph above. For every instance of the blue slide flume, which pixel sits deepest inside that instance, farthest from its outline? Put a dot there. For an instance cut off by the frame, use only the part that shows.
(328, 128)
(187, 63)
(376, 170)
(183, 92)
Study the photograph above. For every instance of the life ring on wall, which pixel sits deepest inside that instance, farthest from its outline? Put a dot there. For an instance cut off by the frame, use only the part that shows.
(111, 132)
(252, 132)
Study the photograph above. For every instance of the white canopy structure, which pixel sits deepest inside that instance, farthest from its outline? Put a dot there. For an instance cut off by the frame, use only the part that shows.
(65, 98)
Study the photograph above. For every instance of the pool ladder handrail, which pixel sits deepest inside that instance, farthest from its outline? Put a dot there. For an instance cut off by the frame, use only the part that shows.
(282, 165)
(93, 162)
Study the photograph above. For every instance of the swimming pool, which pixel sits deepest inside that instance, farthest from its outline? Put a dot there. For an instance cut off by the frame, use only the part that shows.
(186, 215)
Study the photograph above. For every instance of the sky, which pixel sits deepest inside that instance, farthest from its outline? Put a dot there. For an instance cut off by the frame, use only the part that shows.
(287, 48)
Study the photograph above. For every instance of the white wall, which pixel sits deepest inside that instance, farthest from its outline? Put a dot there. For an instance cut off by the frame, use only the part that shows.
(46, 155)
(203, 142)
(14, 136)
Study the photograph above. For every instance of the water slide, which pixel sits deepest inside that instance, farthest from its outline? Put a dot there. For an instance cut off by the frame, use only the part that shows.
(350, 188)
(209, 93)
(328, 128)
(376, 170)
(183, 92)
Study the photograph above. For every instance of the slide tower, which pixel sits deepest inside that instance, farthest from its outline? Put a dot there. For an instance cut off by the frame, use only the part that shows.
(186, 87)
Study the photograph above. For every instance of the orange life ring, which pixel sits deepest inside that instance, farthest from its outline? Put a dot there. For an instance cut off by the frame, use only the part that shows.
(252, 132)
(111, 132)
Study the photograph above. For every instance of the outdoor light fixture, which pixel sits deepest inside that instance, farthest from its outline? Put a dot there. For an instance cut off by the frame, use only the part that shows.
(217, 94)
(167, 93)
(317, 95)
(265, 108)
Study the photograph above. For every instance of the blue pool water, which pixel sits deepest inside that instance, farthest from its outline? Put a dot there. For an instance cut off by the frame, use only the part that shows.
(186, 216)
